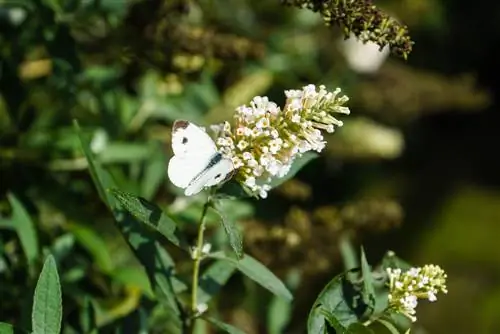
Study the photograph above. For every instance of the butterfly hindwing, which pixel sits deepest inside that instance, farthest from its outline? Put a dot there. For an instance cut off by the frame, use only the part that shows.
(214, 174)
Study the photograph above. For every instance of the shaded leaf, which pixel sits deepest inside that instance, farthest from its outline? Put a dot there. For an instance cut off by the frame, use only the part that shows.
(95, 245)
(257, 272)
(21, 222)
(223, 326)
(157, 262)
(384, 326)
(349, 256)
(368, 291)
(358, 328)
(232, 232)
(9, 329)
(88, 317)
(151, 215)
(390, 260)
(46, 315)
(213, 279)
(278, 315)
(334, 302)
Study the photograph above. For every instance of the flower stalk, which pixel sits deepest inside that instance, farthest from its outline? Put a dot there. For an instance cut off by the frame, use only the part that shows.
(198, 252)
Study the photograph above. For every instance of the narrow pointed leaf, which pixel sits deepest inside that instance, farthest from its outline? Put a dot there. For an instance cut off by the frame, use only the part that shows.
(156, 261)
(47, 304)
(232, 232)
(213, 279)
(368, 291)
(257, 272)
(358, 328)
(230, 329)
(24, 227)
(149, 214)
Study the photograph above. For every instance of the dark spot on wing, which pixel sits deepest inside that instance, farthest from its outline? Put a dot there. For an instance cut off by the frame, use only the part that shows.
(217, 176)
(184, 140)
(180, 124)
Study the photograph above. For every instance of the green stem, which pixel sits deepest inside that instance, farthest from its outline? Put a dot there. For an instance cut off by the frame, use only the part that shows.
(198, 255)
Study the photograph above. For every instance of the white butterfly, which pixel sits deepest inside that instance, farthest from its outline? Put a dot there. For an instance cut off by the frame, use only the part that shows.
(196, 163)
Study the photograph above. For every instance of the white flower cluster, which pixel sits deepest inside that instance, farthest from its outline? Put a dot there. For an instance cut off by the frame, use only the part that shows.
(416, 283)
(266, 139)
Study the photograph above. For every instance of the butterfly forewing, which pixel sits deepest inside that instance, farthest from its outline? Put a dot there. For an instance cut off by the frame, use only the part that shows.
(189, 139)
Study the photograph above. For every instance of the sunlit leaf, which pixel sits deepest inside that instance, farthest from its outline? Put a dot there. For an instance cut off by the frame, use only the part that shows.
(257, 272)
(213, 279)
(230, 329)
(47, 303)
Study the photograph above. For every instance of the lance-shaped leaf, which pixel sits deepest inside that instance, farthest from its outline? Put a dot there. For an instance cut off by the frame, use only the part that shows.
(257, 272)
(151, 215)
(213, 279)
(232, 231)
(46, 315)
(157, 262)
(230, 329)
(368, 291)
(21, 222)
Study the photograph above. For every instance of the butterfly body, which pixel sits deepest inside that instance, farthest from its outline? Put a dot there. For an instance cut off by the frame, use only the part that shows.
(196, 163)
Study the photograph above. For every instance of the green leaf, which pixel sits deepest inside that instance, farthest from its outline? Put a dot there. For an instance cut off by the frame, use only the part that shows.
(88, 317)
(257, 272)
(333, 304)
(24, 227)
(151, 215)
(297, 165)
(232, 231)
(384, 326)
(278, 315)
(156, 261)
(6, 328)
(213, 279)
(102, 179)
(124, 153)
(368, 291)
(390, 260)
(90, 240)
(154, 174)
(230, 329)
(358, 328)
(47, 304)
(349, 256)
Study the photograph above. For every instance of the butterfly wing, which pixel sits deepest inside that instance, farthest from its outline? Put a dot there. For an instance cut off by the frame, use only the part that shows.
(189, 139)
(211, 176)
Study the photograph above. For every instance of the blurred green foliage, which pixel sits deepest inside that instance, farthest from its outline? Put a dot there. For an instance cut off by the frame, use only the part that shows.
(126, 70)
